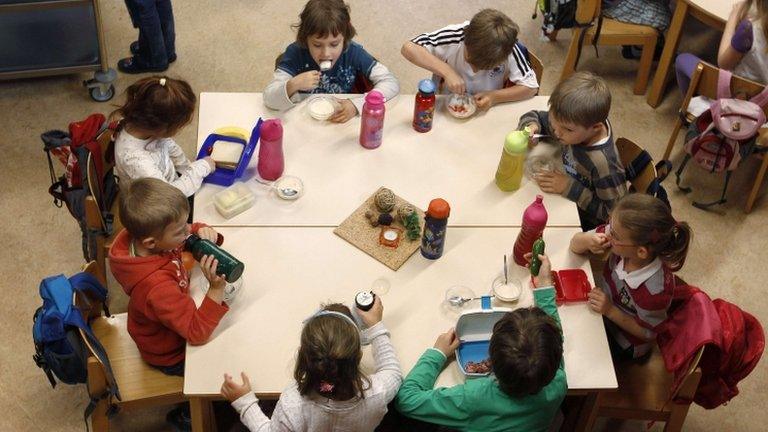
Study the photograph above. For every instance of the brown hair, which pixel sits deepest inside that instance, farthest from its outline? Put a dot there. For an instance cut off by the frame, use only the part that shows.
(649, 223)
(149, 205)
(159, 104)
(526, 351)
(330, 353)
(490, 37)
(582, 99)
(761, 7)
(324, 17)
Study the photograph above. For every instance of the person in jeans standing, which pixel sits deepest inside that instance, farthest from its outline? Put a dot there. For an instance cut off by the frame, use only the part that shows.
(156, 46)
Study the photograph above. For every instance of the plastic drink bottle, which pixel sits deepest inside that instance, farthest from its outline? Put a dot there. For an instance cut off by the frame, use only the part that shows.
(534, 221)
(424, 107)
(372, 120)
(228, 265)
(271, 163)
(435, 222)
(510, 170)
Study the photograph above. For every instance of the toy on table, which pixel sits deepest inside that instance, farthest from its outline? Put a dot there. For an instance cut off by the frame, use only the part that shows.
(225, 176)
(534, 222)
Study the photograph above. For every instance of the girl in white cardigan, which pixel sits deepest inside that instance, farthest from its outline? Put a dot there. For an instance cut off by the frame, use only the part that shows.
(155, 109)
(329, 393)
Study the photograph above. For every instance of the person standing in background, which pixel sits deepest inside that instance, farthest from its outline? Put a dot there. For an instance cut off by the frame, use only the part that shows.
(156, 47)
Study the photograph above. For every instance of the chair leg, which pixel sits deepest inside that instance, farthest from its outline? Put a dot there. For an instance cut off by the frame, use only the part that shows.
(758, 183)
(588, 413)
(672, 138)
(676, 418)
(99, 420)
(644, 70)
(570, 60)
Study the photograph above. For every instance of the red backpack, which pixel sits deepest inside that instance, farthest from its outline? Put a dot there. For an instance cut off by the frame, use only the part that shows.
(733, 339)
(84, 141)
(722, 135)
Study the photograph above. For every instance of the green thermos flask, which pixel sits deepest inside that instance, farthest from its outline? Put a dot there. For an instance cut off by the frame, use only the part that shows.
(228, 265)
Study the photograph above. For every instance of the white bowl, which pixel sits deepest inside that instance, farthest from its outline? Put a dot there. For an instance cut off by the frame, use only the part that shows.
(322, 107)
(461, 106)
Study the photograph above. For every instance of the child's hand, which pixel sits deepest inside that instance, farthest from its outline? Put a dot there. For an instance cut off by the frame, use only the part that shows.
(552, 181)
(372, 316)
(345, 112)
(234, 391)
(208, 265)
(306, 81)
(455, 83)
(484, 100)
(208, 233)
(598, 243)
(545, 271)
(599, 302)
(447, 343)
(210, 162)
(532, 129)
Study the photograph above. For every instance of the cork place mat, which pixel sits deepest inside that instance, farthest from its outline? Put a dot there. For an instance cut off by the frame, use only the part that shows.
(357, 229)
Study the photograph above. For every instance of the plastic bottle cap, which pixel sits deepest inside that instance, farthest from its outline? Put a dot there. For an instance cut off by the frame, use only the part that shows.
(439, 208)
(539, 199)
(516, 142)
(271, 129)
(426, 86)
(374, 98)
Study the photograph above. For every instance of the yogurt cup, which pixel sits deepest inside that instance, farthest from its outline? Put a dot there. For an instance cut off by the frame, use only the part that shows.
(322, 107)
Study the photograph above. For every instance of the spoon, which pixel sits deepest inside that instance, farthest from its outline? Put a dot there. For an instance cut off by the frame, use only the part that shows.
(458, 301)
(287, 191)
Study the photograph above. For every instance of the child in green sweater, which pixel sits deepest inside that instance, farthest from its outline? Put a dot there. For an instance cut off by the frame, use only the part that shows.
(528, 382)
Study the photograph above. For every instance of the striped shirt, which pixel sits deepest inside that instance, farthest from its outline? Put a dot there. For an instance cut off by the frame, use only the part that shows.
(447, 44)
(597, 177)
(645, 294)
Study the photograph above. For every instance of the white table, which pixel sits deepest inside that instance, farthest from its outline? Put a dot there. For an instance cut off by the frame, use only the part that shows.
(290, 271)
(457, 161)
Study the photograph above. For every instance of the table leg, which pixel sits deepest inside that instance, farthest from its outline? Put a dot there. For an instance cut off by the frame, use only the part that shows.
(663, 72)
(201, 412)
(588, 412)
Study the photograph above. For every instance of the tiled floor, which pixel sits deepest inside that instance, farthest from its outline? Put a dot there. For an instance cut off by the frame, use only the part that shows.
(230, 45)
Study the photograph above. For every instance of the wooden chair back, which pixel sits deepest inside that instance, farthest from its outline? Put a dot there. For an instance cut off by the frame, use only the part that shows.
(536, 65)
(628, 151)
(588, 10)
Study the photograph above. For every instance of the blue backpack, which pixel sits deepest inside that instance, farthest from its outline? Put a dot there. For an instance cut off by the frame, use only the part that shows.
(59, 350)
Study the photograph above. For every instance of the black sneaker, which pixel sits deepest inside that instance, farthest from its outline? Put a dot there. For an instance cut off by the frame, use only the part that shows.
(134, 65)
(179, 418)
(135, 51)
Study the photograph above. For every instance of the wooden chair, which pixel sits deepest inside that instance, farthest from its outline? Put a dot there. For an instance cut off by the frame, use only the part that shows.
(645, 393)
(612, 32)
(536, 65)
(94, 218)
(628, 152)
(140, 385)
(704, 83)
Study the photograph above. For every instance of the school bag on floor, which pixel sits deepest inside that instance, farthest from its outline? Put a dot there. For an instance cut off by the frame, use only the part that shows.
(92, 139)
(558, 14)
(59, 349)
(721, 136)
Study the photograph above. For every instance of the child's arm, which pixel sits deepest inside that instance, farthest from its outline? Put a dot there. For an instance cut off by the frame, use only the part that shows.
(421, 57)
(595, 242)
(387, 366)
(245, 402)
(737, 38)
(139, 165)
(537, 122)
(601, 303)
(518, 92)
(282, 92)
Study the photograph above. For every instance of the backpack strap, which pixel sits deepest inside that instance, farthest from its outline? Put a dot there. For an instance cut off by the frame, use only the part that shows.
(724, 84)
(637, 165)
(88, 284)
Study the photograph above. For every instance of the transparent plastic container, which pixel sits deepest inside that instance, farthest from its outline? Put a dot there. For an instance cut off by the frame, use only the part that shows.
(234, 200)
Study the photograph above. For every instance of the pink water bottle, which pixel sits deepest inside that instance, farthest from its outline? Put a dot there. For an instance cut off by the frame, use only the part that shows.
(372, 121)
(534, 221)
(271, 162)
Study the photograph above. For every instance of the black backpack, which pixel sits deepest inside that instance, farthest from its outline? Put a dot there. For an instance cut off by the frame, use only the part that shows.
(558, 14)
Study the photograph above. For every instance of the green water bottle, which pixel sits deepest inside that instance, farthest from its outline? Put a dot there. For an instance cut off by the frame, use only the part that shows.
(228, 265)
(510, 171)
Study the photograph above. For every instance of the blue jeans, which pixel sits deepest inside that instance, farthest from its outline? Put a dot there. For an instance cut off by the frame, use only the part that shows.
(157, 36)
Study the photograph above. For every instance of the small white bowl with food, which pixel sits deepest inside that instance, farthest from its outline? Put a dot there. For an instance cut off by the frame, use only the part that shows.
(461, 106)
(322, 107)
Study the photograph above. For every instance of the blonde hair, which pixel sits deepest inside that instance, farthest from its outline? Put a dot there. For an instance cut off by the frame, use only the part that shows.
(582, 99)
(649, 223)
(149, 206)
(490, 38)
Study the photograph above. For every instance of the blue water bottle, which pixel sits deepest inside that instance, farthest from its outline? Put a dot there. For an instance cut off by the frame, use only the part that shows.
(435, 222)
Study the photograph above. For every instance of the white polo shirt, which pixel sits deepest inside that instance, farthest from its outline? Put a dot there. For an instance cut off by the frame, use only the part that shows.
(447, 44)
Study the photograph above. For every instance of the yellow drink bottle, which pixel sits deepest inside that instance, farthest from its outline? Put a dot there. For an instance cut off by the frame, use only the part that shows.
(510, 171)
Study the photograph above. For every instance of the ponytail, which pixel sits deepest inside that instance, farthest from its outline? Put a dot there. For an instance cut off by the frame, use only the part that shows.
(158, 104)
(650, 224)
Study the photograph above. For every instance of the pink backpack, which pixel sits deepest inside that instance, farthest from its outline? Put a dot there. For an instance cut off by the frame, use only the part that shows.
(720, 136)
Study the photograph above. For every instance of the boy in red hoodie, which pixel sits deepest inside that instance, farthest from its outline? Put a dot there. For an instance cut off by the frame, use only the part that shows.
(145, 258)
